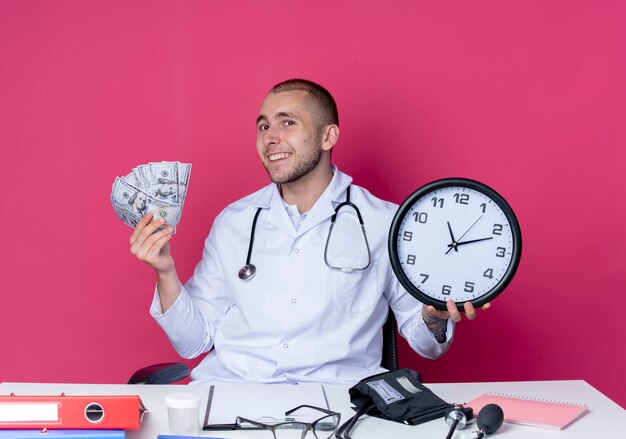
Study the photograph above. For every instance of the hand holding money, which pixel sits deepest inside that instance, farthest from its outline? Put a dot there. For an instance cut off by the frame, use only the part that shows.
(150, 243)
(150, 199)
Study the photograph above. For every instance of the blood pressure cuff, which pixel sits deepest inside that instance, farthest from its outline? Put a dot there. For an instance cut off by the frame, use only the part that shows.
(397, 396)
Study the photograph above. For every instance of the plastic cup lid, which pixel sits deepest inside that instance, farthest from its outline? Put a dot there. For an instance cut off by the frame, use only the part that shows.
(182, 400)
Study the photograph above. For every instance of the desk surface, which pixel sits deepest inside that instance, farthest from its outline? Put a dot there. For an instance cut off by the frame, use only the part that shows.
(604, 418)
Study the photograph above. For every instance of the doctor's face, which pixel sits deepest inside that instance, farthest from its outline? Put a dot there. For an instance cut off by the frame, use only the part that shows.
(288, 140)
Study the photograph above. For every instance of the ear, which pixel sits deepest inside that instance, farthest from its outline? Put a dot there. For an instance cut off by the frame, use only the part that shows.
(330, 137)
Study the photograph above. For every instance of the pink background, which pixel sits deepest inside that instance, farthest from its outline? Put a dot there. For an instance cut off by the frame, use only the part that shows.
(528, 97)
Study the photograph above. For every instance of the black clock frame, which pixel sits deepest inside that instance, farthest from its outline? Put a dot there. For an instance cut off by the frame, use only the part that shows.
(440, 184)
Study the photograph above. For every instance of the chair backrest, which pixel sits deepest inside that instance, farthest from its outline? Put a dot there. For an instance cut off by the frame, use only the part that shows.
(162, 373)
(390, 344)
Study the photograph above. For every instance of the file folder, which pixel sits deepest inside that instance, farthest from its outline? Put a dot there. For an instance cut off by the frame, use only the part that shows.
(62, 434)
(103, 412)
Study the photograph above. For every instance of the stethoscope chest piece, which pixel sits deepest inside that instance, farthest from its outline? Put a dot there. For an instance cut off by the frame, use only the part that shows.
(247, 272)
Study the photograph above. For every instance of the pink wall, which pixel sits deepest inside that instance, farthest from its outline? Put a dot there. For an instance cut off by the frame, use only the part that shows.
(528, 97)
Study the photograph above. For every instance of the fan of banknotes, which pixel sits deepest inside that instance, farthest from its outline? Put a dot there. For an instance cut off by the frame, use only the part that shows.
(156, 188)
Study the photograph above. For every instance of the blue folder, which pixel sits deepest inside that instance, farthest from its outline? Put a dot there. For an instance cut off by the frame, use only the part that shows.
(62, 434)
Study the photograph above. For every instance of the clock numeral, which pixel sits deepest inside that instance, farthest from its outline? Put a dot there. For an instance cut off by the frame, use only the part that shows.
(488, 273)
(437, 201)
(469, 287)
(483, 207)
(407, 236)
(410, 259)
(425, 276)
(420, 217)
(501, 252)
(446, 290)
(461, 198)
(497, 229)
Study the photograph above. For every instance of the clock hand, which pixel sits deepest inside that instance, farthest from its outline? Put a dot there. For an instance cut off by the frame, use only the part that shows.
(470, 228)
(453, 245)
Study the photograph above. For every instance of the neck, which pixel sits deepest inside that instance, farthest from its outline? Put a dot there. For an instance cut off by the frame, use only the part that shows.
(305, 192)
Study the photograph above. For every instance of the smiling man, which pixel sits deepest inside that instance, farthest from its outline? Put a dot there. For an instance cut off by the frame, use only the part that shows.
(294, 140)
(314, 308)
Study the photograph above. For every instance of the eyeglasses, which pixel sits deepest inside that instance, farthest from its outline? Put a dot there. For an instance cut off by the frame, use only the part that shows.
(323, 428)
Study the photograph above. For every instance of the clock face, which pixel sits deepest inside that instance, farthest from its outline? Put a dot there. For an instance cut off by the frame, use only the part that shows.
(455, 239)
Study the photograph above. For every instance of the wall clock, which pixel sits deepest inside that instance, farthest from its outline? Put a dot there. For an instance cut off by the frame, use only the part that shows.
(456, 239)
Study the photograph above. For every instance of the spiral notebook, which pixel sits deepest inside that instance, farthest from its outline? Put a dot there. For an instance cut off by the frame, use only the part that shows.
(528, 411)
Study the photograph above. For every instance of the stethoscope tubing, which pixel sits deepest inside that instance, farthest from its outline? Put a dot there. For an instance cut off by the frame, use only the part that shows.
(249, 270)
(332, 224)
(256, 216)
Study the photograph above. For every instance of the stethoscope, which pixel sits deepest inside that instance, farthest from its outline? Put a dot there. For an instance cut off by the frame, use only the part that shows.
(249, 270)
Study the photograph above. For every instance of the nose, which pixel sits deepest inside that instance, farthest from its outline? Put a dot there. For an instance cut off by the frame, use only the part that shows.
(271, 136)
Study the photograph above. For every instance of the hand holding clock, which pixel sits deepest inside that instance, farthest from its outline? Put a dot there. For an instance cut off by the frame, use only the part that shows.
(437, 321)
(430, 312)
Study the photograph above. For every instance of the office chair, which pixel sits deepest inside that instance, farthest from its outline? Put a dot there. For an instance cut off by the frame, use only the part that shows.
(166, 373)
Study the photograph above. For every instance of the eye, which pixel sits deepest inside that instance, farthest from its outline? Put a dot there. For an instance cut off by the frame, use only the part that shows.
(288, 123)
(263, 127)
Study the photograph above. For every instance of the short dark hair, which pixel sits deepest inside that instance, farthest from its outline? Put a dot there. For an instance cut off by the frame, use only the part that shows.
(324, 102)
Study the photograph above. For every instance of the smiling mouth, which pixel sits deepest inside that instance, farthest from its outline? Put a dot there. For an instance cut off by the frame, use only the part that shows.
(278, 156)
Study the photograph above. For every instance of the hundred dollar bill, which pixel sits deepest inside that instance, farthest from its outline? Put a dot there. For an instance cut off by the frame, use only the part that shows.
(142, 174)
(163, 179)
(135, 179)
(184, 172)
(128, 200)
(123, 216)
(132, 203)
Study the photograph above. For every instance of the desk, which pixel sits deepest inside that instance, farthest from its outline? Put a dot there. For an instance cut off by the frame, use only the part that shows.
(604, 419)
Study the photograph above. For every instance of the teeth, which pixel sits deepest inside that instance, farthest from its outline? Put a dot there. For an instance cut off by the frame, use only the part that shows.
(282, 155)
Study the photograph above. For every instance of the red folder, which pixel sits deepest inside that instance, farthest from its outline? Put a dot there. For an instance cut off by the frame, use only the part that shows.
(121, 412)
